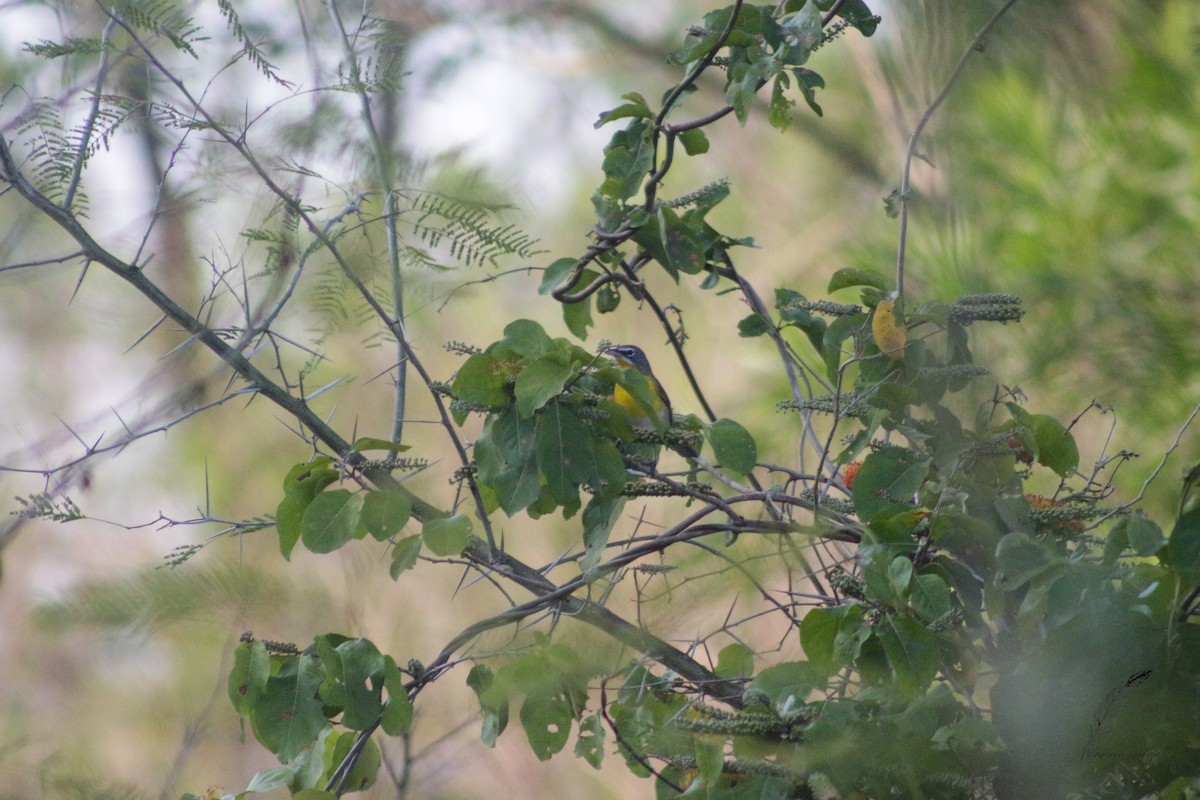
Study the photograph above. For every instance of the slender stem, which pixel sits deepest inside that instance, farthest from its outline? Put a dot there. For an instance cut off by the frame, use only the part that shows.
(911, 151)
(89, 124)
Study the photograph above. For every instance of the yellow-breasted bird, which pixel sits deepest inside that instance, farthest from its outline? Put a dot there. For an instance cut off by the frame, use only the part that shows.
(629, 356)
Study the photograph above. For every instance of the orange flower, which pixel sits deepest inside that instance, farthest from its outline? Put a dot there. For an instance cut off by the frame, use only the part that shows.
(849, 472)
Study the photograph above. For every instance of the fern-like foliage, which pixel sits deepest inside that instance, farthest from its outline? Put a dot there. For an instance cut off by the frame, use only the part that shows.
(51, 154)
(70, 47)
(165, 18)
(470, 231)
(250, 51)
(382, 74)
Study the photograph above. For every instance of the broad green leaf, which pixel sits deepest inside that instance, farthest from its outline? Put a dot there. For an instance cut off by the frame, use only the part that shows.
(578, 316)
(404, 555)
(365, 770)
(362, 674)
(331, 520)
(525, 338)
(398, 713)
(1018, 560)
(735, 661)
(555, 273)
(930, 597)
(838, 331)
(733, 446)
(858, 276)
(900, 573)
(636, 108)
(248, 677)
(546, 719)
(694, 142)
(446, 536)
(385, 513)
(599, 517)
(710, 759)
(564, 453)
(302, 483)
(779, 108)
(912, 652)
(270, 778)
(818, 630)
(288, 716)
(492, 702)
(480, 381)
(889, 476)
(369, 443)
(786, 685)
(628, 157)
(589, 743)
(507, 459)
(1138, 532)
(1053, 444)
(753, 325)
(809, 82)
(1183, 548)
(540, 381)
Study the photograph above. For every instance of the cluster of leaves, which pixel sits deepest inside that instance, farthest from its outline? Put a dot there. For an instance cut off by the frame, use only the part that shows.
(292, 700)
(760, 45)
(554, 431)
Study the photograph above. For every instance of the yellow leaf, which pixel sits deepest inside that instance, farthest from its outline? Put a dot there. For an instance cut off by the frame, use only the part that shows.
(889, 336)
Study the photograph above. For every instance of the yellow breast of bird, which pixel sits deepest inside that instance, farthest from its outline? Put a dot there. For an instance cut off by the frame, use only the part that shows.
(640, 413)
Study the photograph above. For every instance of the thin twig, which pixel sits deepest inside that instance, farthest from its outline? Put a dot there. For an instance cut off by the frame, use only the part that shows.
(911, 150)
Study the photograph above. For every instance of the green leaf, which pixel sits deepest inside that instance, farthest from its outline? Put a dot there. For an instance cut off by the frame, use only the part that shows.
(1019, 559)
(524, 338)
(1055, 446)
(480, 381)
(1183, 548)
(555, 273)
(564, 454)
(599, 517)
(385, 513)
(365, 770)
(492, 702)
(694, 142)
(302, 483)
(248, 677)
(900, 573)
(735, 661)
(398, 713)
(589, 744)
(270, 778)
(288, 715)
(912, 652)
(541, 381)
(786, 685)
(637, 108)
(446, 536)
(369, 443)
(818, 630)
(888, 477)
(578, 316)
(404, 555)
(779, 109)
(628, 157)
(858, 276)
(930, 597)
(809, 82)
(753, 325)
(710, 759)
(546, 719)
(360, 671)
(733, 446)
(838, 331)
(331, 520)
(506, 455)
